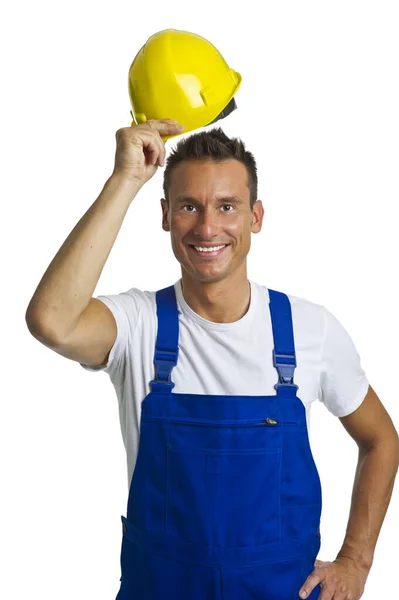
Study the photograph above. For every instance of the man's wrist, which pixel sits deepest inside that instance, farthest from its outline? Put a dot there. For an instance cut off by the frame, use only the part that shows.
(357, 554)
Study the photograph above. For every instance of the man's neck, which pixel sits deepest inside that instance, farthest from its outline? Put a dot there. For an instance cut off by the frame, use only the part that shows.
(223, 301)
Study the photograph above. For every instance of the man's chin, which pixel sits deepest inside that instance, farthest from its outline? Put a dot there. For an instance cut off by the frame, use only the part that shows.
(203, 275)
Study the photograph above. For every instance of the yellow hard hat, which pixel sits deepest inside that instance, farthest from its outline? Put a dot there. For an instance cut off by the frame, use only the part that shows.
(181, 75)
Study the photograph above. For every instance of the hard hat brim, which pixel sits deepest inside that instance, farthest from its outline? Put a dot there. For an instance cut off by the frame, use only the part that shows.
(226, 111)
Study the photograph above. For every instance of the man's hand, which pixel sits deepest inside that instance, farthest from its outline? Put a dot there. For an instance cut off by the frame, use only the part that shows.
(341, 579)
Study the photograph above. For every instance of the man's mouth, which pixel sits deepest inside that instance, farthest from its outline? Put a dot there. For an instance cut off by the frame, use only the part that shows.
(208, 251)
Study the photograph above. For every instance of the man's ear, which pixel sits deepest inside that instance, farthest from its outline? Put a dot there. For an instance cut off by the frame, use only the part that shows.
(165, 224)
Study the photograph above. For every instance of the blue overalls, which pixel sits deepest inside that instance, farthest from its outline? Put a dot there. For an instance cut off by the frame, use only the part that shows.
(225, 499)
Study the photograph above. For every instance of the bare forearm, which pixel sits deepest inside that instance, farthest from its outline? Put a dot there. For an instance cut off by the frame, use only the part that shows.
(372, 490)
(69, 282)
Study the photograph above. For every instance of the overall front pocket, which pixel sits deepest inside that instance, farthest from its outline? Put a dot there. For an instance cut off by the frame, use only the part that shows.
(223, 496)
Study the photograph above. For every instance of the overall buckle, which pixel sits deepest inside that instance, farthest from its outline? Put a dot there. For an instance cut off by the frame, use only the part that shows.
(285, 370)
(164, 362)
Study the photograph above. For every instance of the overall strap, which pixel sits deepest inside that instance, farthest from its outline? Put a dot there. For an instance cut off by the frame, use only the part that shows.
(166, 346)
(284, 358)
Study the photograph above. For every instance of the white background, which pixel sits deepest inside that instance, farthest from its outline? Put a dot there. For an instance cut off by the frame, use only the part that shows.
(318, 107)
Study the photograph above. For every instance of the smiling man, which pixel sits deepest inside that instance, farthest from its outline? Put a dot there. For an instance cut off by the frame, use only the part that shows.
(215, 376)
(211, 210)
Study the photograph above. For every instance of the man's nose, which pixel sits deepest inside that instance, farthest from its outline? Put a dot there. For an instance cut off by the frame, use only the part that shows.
(207, 223)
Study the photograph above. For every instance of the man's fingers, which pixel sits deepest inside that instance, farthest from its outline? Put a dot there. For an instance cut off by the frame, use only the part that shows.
(161, 127)
(164, 124)
(309, 585)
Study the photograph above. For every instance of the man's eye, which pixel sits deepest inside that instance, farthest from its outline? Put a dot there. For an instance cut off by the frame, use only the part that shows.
(192, 206)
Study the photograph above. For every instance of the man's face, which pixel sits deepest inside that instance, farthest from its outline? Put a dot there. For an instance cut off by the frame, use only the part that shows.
(209, 206)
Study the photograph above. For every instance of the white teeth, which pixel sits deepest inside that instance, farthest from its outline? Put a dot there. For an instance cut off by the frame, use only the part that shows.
(200, 249)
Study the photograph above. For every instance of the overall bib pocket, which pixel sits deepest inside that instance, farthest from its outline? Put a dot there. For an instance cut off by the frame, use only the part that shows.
(223, 496)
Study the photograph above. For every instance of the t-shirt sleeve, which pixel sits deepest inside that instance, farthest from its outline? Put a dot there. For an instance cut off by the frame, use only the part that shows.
(343, 382)
(125, 308)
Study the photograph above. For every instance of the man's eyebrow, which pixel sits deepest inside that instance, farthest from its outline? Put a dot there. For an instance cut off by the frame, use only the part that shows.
(234, 199)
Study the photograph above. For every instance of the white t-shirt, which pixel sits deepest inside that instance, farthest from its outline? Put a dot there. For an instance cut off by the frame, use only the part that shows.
(229, 358)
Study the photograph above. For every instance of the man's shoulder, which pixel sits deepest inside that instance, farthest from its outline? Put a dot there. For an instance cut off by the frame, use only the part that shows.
(131, 301)
(296, 301)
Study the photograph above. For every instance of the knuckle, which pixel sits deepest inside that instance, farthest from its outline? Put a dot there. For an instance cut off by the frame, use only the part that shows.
(122, 132)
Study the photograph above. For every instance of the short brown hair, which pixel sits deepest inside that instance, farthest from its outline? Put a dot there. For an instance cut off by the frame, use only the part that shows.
(212, 145)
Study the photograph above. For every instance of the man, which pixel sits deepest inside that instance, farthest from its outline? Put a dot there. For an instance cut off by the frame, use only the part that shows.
(224, 495)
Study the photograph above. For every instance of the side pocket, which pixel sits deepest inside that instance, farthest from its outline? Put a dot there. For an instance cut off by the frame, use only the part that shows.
(308, 566)
(271, 580)
(131, 559)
